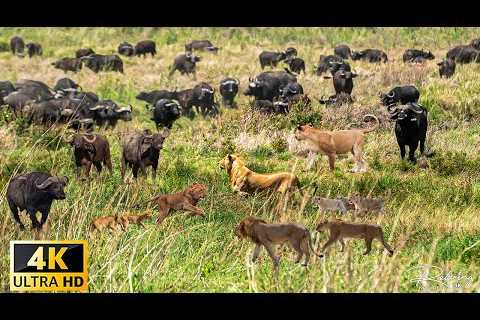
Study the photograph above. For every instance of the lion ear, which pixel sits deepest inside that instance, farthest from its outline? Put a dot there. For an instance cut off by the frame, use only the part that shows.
(230, 157)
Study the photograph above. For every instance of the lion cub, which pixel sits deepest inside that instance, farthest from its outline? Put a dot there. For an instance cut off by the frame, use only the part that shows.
(126, 220)
(185, 200)
(339, 204)
(267, 234)
(110, 222)
(340, 230)
(364, 205)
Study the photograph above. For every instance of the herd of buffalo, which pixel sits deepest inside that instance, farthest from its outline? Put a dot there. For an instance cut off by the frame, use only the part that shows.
(273, 92)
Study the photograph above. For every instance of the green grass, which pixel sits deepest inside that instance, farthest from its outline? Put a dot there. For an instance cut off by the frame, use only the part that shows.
(431, 216)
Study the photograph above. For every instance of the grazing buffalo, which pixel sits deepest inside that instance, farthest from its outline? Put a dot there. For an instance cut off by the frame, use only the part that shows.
(34, 49)
(228, 91)
(34, 192)
(267, 85)
(298, 99)
(297, 65)
(343, 51)
(68, 64)
(165, 112)
(66, 85)
(370, 55)
(46, 113)
(400, 94)
(141, 150)
(144, 47)
(17, 46)
(414, 55)
(107, 113)
(200, 45)
(269, 58)
(475, 43)
(185, 63)
(291, 52)
(91, 148)
(410, 128)
(6, 87)
(325, 62)
(126, 49)
(98, 62)
(16, 101)
(37, 90)
(446, 67)
(464, 54)
(83, 52)
(153, 96)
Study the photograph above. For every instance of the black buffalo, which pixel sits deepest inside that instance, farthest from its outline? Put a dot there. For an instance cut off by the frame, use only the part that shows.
(126, 49)
(34, 192)
(337, 99)
(66, 85)
(107, 113)
(269, 58)
(98, 62)
(68, 64)
(414, 55)
(200, 45)
(228, 91)
(141, 150)
(291, 52)
(446, 68)
(37, 90)
(297, 65)
(185, 63)
(269, 107)
(17, 46)
(370, 55)
(144, 47)
(464, 54)
(268, 85)
(410, 128)
(165, 112)
(34, 49)
(291, 89)
(88, 149)
(6, 87)
(475, 43)
(400, 94)
(325, 62)
(343, 51)
(16, 101)
(84, 52)
(153, 96)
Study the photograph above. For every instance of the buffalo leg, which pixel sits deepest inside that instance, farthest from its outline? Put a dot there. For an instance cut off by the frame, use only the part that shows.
(411, 152)
(98, 166)
(88, 167)
(422, 146)
(402, 151)
(44, 217)
(135, 171)
(33, 217)
(154, 169)
(123, 166)
(14, 210)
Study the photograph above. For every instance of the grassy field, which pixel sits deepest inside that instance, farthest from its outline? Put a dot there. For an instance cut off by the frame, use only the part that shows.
(432, 217)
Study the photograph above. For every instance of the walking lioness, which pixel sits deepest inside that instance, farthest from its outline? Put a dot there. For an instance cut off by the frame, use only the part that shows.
(340, 230)
(244, 180)
(332, 143)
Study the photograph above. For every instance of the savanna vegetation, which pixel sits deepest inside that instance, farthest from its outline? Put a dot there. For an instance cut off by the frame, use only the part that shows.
(432, 217)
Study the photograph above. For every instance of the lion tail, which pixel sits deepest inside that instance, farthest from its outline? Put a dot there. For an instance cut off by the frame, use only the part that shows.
(375, 127)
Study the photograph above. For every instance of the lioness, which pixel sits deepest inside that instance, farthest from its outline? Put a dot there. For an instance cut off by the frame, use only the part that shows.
(266, 234)
(244, 180)
(332, 143)
(340, 230)
(185, 200)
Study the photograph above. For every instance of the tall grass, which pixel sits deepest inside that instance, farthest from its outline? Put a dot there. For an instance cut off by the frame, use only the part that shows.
(431, 218)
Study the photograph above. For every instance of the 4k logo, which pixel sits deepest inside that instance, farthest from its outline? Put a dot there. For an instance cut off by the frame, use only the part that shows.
(48, 265)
